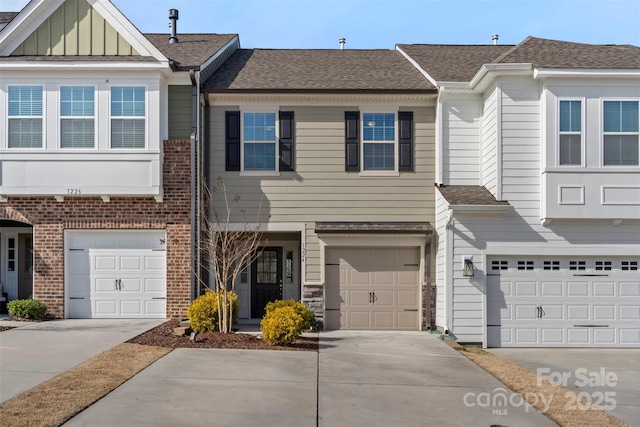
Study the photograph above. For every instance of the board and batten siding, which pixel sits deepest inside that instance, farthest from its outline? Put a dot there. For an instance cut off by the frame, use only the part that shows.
(460, 151)
(180, 107)
(489, 160)
(319, 189)
(75, 28)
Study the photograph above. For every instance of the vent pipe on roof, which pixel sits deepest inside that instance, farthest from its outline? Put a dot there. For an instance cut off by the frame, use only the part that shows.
(173, 18)
(342, 41)
(495, 38)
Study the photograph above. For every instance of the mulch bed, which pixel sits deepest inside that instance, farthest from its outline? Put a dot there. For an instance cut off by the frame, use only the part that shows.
(163, 336)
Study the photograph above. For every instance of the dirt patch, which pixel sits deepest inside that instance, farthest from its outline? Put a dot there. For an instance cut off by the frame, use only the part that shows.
(57, 400)
(6, 328)
(163, 336)
(557, 403)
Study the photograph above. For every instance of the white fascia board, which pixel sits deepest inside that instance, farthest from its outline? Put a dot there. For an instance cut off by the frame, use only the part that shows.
(415, 64)
(234, 41)
(494, 70)
(81, 65)
(25, 23)
(544, 73)
(126, 29)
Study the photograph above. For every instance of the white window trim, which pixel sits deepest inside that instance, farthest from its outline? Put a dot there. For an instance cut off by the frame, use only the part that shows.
(43, 146)
(94, 117)
(603, 133)
(396, 144)
(250, 110)
(583, 107)
(146, 118)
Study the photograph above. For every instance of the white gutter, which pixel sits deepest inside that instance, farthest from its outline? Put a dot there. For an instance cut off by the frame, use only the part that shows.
(541, 73)
(48, 65)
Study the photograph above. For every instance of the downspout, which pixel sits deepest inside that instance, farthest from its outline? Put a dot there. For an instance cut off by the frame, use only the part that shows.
(439, 142)
(449, 271)
(195, 199)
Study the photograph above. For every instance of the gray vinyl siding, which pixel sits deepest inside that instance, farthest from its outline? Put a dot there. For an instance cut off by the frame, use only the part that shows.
(180, 112)
(461, 119)
(319, 189)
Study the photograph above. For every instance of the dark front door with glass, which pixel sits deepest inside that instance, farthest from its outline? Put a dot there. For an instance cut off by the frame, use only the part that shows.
(266, 280)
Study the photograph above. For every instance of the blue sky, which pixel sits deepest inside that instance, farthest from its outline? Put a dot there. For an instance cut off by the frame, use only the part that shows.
(383, 23)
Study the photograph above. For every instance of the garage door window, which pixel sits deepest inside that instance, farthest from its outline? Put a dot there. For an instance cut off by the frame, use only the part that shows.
(629, 265)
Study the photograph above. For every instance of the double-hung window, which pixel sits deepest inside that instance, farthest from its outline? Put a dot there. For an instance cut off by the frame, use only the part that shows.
(77, 117)
(379, 141)
(128, 110)
(570, 135)
(620, 133)
(259, 141)
(25, 117)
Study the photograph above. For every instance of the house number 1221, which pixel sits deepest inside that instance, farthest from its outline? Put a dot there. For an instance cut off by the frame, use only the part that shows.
(73, 191)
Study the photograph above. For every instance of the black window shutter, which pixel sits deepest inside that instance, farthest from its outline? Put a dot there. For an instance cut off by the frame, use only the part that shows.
(232, 140)
(352, 140)
(405, 132)
(286, 141)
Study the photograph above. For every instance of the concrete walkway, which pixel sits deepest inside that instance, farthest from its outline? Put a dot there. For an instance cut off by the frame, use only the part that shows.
(357, 379)
(610, 378)
(36, 352)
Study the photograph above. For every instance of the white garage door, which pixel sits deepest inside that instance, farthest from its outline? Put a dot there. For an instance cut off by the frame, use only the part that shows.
(563, 302)
(372, 288)
(115, 274)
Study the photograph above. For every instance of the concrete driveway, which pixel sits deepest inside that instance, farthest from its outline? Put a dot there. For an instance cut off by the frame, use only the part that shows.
(356, 379)
(36, 352)
(608, 377)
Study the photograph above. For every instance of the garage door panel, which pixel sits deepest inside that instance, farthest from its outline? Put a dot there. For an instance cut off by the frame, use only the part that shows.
(378, 286)
(581, 306)
(119, 274)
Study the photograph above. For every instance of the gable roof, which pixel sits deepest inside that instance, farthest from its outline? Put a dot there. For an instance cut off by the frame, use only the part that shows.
(192, 50)
(324, 70)
(6, 17)
(459, 63)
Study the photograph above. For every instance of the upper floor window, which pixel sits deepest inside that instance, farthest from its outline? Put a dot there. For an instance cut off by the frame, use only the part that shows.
(259, 141)
(379, 141)
(77, 112)
(128, 109)
(25, 117)
(570, 138)
(620, 137)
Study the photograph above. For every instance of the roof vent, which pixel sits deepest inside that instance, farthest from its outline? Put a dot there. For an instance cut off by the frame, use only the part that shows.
(495, 38)
(173, 18)
(342, 41)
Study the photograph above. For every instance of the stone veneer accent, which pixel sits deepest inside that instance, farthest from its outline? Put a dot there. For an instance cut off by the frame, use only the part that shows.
(50, 219)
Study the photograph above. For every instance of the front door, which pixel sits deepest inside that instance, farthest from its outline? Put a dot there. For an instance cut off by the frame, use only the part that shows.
(266, 280)
(25, 266)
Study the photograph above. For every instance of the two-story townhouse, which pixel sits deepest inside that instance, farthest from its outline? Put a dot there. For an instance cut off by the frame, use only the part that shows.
(330, 152)
(98, 150)
(538, 192)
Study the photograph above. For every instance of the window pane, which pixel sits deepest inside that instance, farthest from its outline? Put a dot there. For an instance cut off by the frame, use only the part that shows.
(378, 127)
(259, 126)
(76, 133)
(127, 133)
(76, 101)
(621, 150)
(260, 157)
(621, 116)
(379, 157)
(25, 100)
(127, 101)
(25, 133)
(570, 116)
(570, 150)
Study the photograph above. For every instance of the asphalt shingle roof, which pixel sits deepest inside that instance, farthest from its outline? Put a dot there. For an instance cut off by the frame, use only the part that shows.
(321, 69)
(461, 62)
(192, 50)
(6, 17)
(469, 195)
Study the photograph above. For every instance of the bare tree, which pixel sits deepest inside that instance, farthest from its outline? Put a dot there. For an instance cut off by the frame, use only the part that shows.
(228, 245)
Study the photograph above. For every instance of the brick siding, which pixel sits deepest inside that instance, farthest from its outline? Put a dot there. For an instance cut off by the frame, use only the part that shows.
(51, 218)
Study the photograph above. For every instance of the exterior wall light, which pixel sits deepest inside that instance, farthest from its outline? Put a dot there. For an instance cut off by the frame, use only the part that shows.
(467, 270)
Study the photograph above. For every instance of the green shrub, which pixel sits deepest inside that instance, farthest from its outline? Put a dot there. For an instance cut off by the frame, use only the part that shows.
(308, 316)
(27, 309)
(281, 326)
(203, 311)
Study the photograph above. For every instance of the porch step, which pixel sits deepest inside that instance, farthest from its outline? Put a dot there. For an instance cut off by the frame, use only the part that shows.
(182, 330)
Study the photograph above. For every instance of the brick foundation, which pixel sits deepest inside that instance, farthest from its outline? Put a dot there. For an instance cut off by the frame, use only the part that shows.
(50, 219)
